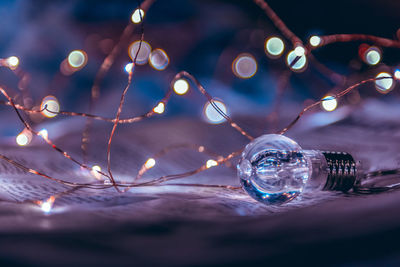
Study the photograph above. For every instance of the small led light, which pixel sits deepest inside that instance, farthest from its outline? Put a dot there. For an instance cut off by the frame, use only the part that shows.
(150, 163)
(300, 63)
(144, 52)
(384, 86)
(50, 106)
(211, 163)
(12, 62)
(213, 115)
(397, 74)
(137, 15)
(96, 171)
(315, 40)
(24, 138)
(160, 108)
(244, 66)
(274, 47)
(372, 56)
(299, 51)
(47, 205)
(329, 103)
(158, 59)
(43, 133)
(181, 86)
(129, 67)
(77, 59)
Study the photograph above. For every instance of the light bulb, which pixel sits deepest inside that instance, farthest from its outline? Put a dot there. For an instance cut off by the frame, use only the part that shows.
(274, 170)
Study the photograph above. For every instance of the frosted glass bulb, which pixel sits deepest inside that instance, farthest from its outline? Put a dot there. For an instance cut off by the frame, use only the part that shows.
(274, 170)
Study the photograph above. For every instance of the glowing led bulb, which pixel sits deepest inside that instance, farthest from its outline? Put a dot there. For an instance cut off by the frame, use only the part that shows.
(96, 172)
(275, 170)
(160, 108)
(44, 133)
(47, 205)
(137, 15)
(397, 74)
(274, 47)
(211, 163)
(299, 51)
(150, 163)
(24, 138)
(181, 86)
(213, 115)
(315, 40)
(372, 55)
(300, 64)
(158, 59)
(329, 103)
(384, 86)
(77, 59)
(143, 54)
(50, 106)
(244, 66)
(129, 67)
(12, 62)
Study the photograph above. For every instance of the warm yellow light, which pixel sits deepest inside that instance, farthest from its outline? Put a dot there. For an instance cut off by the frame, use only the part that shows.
(137, 15)
(300, 63)
(77, 59)
(144, 52)
(181, 86)
(213, 115)
(158, 59)
(211, 163)
(150, 163)
(50, 106)
(12, 62)
(160, 108)
(274, 47)
(384, 86)
(329, 103)
(244, 66)
(96, 171)
(315, 40)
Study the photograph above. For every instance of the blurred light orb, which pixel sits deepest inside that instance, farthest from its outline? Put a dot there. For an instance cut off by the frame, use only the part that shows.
(160, 108)
(158, 59)
(12, 62)
(44, 133)
(47, 205)
(384, 86)
(144, 52)
(299, 51)
(373, 56)
(181, 87)
(300, 63)
(397, 74)
(329, 103)
(315, 40)
(274, 47)
(129, 67)
(137, 15)
(24, 138)
(244, 66)
(96, 171)
(50, 106)
(150, 163)
(211, 163)
(212, 115)
(77, 59)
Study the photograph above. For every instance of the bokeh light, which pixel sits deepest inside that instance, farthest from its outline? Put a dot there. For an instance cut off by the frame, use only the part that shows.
(299, 51)
(300, 64)
(150, 163)
(315, 40)
(244, 66)
(24, 138)
(77, 59)
(50, 106)
(384, 86)
(181, 86)
(397, 74)
(96, 172)
(372, 55)
(44, 133)
(212, 115)
(137, 15)
(160, 108)
(274, 47)
(47, 205)
(158, 59)
(129, 67)
(12, 62)
(329, 103)
(211, 163)
(144, 52)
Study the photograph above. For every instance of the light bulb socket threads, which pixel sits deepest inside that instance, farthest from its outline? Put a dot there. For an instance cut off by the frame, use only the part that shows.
(342, 171)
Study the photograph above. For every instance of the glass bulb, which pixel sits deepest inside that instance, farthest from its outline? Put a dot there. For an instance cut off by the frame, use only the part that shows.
(274, 170)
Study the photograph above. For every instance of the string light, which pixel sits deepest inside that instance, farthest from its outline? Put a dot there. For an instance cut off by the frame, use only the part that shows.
(274, 47)
(50, 106)
(24, 138)
(150, 163)
(212, 115)
(211, 163)
(47, 205)
(96, 171)
(244, 66)
(181, 86)
(384, 86)
(300, 64)
(299, 51)
(12, 62)
(372, 56)
(144, 52)
(159, 59)
(129, 67)
(329, 103)
(315, 40)
(77, 59)
(137, 15)
(397, 74)
(44, 133)
(160, 108)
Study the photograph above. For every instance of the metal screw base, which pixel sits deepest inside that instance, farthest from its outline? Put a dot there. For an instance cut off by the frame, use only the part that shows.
(342, 171)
